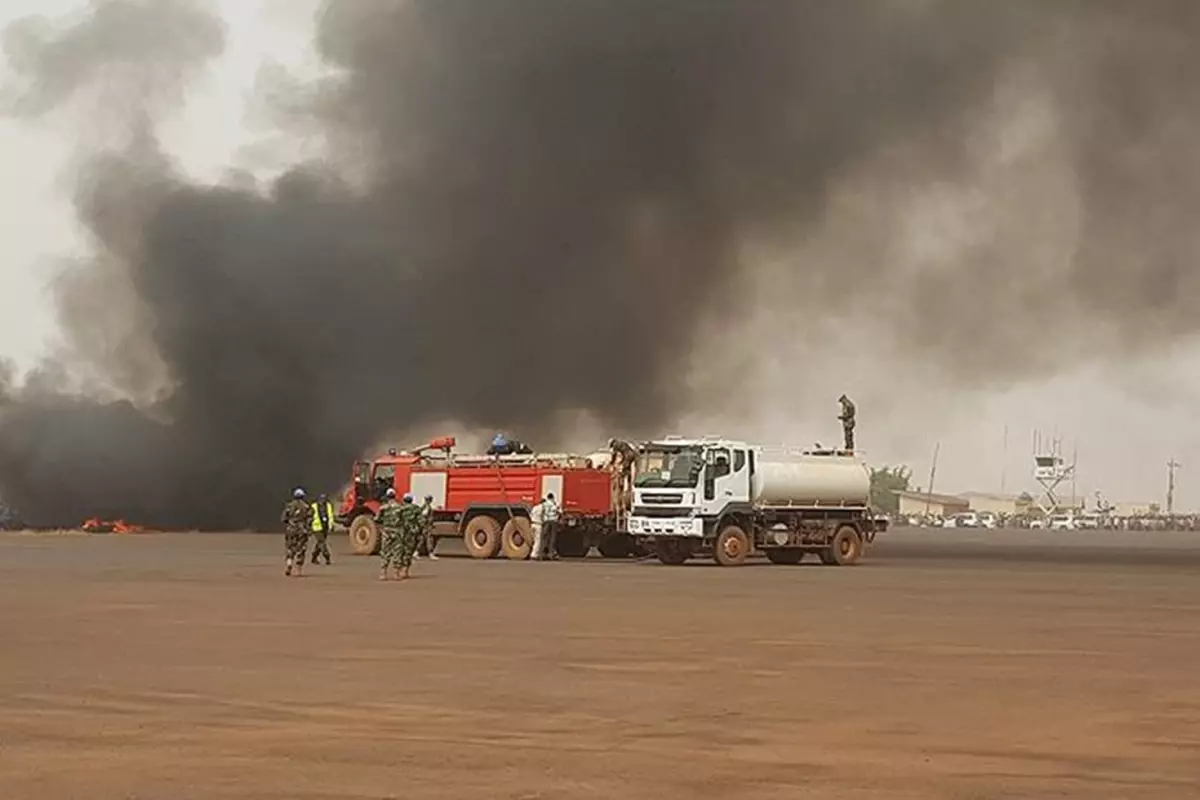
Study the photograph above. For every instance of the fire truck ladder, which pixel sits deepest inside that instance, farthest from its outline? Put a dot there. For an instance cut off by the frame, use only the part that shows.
(504, 489)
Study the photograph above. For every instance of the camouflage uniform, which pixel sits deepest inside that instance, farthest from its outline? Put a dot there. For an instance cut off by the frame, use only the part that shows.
(412, 521)
(427, 529)
(847, 418)
(390, 519)
(297, 522)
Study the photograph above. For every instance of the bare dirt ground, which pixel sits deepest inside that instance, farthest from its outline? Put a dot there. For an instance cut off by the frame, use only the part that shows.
(965, 665)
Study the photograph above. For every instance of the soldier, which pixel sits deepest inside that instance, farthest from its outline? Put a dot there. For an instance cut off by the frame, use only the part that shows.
(411, 522)
(297, 519)
(427, 528)
(847, 418)
(322, 524)
(390, 523)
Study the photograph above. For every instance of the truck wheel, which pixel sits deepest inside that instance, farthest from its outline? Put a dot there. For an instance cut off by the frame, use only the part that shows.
(482, 537)
(616, 546)
(516, 540)
(364, 535)
(571, 543)
(785, 556)
(846, 547)
(672, 553)
(731, 547)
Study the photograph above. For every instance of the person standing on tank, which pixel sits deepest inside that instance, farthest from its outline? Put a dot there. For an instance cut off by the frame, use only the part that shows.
(847, 418)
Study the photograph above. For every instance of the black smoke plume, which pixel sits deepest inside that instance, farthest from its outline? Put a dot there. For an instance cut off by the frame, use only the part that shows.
(532, 206)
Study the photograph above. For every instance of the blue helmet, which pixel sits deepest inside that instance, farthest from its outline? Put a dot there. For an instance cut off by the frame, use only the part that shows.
(407, 497)
(297, 493)
(499, 440)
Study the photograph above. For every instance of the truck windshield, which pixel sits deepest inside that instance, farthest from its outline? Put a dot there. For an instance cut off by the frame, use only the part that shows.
(677, 468)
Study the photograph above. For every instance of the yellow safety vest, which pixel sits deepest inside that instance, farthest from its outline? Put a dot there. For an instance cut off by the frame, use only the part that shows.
(316, 522)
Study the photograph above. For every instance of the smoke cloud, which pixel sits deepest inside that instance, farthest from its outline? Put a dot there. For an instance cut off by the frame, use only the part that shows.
(532, 208)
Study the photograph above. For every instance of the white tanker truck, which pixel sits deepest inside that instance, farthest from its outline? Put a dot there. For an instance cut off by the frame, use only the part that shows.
(691, 495)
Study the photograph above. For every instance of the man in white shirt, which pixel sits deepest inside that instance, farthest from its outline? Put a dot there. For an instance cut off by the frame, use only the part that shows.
(543, 517)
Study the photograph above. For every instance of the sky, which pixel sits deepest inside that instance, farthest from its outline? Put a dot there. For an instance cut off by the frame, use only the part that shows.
(35, 166)
(1126, 420)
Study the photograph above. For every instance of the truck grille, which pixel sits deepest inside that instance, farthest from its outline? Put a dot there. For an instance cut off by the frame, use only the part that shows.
(662, 499)
(643, 511)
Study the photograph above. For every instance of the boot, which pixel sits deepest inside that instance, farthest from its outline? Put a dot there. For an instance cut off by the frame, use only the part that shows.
(432, 556)
(287, 570)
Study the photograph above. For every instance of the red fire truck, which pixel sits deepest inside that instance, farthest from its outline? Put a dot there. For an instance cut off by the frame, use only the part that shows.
(486, 499)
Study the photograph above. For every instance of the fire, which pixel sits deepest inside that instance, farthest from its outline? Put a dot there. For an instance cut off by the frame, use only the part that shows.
(95, 525)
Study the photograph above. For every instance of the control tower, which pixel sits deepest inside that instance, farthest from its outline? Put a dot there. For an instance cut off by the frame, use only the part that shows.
(1050, 471)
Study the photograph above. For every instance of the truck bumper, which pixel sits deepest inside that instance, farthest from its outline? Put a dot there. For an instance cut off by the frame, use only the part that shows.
(668, 526)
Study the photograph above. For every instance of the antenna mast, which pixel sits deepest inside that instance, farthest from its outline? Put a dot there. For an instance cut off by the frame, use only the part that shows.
(932, 474)
(1074, 474)
(1004, 462)
(1172, 465)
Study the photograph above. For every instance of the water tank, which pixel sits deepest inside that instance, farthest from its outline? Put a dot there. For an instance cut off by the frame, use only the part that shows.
(797, 479)
(600, 459)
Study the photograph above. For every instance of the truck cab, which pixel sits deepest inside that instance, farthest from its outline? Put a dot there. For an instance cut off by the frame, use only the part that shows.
(371, 481)
(734, 498)
(678, 483)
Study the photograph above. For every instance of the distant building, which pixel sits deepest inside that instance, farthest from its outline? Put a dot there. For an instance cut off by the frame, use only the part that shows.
(996, 503)
(935, 505)
(1135, 509)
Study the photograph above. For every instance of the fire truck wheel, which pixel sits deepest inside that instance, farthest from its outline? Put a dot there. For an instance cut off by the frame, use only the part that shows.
(785, 556)
(618, 545)
(846, 547)
(364, 535)
(516, 540)
(731, 547)
(482, 537)
(571, 544)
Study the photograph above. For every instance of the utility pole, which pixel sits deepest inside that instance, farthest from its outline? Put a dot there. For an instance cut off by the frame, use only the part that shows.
(932, 474)
(1004, 463)
(1172, 465)
(1074, 461)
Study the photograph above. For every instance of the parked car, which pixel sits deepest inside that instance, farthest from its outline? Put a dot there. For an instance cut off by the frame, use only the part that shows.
(967, 519)
(1063, 522)
(988, 520)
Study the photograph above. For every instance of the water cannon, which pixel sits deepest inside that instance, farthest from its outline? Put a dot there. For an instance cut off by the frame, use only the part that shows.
(444, 443)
